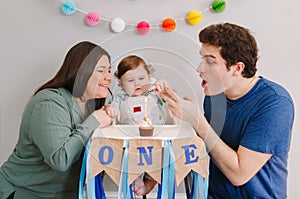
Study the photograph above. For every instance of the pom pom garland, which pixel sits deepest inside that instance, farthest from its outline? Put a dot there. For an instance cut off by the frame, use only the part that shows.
(117, 25)
(143, 27)
(68, 7)
(169, 25)
(194, 17)
(92, 18)
(218, 6)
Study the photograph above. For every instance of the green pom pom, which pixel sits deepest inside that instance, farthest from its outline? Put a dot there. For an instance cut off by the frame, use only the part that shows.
(218, 5)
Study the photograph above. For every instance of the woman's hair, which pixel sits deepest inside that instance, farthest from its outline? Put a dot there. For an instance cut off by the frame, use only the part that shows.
(76, 70)
(237, 45)
(131, 62)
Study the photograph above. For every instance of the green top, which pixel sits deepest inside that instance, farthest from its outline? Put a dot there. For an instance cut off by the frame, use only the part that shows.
(46, 161)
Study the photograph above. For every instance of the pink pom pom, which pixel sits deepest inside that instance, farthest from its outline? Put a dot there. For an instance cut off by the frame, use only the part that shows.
(143, 27)
(92, 18)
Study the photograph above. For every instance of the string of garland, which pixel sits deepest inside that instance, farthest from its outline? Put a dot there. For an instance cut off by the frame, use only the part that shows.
(194, 17)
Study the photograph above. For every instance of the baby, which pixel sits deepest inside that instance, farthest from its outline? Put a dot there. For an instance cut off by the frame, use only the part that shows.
(134, 79)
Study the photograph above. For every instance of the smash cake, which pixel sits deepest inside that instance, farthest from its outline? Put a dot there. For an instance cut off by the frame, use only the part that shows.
(146, 128)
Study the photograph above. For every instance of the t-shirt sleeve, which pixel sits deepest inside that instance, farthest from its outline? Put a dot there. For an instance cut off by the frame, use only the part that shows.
(269, 130)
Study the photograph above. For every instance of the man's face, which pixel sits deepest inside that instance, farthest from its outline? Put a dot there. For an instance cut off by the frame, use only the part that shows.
(212, 69)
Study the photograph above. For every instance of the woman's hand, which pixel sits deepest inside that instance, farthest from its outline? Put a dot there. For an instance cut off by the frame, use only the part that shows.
(103, 118)
(113, 112)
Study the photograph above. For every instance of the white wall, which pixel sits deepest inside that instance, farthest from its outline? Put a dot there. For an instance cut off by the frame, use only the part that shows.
(35, 36)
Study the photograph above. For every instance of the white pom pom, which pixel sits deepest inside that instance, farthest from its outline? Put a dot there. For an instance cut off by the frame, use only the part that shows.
(118, 25)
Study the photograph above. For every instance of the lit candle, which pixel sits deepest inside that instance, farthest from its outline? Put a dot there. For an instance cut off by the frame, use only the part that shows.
(145, 109)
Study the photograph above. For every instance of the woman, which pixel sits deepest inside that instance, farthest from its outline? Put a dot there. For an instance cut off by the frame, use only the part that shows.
(56, 124)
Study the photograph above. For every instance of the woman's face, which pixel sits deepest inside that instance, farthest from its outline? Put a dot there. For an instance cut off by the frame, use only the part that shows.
(98, 84)
(135, 82)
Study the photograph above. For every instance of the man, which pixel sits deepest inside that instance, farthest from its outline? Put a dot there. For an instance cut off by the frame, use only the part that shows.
(247, 119)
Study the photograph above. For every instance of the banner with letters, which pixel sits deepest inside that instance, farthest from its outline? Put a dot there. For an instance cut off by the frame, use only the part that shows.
(146, 155)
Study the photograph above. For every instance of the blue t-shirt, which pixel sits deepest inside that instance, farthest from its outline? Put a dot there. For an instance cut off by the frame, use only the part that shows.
(262, 121)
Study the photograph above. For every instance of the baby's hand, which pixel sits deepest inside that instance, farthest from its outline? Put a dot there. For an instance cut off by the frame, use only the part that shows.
(143, 187)
(160, 85)
(140, 188)
(113, 112)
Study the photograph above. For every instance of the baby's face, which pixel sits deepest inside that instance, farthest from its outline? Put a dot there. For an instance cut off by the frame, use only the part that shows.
(135, 82)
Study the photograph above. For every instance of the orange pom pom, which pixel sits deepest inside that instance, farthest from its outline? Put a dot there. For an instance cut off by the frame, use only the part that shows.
(169, 25)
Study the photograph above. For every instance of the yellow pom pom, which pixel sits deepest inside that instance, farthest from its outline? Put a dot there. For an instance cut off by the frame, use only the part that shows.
(194, 17)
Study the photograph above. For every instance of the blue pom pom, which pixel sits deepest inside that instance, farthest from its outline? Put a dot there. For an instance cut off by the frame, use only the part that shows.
(68, 7)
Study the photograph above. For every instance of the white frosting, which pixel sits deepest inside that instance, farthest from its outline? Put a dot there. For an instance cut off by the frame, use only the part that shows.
(145, 123)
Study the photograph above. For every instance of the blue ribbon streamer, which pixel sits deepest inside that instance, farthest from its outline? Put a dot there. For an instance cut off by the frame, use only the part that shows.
(99, 190)
(199, 187)
(159, 192)
(123, 185)
(83, 172)
(90, 181)
(167, 188)
(132, 193)
(165, 176)
(205, 186)
(94, 186)
(171, 193)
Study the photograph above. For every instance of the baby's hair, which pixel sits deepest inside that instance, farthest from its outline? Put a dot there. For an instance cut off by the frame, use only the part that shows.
(131, 62)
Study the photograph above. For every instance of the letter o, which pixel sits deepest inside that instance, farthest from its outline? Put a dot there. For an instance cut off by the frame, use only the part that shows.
(110, 155)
